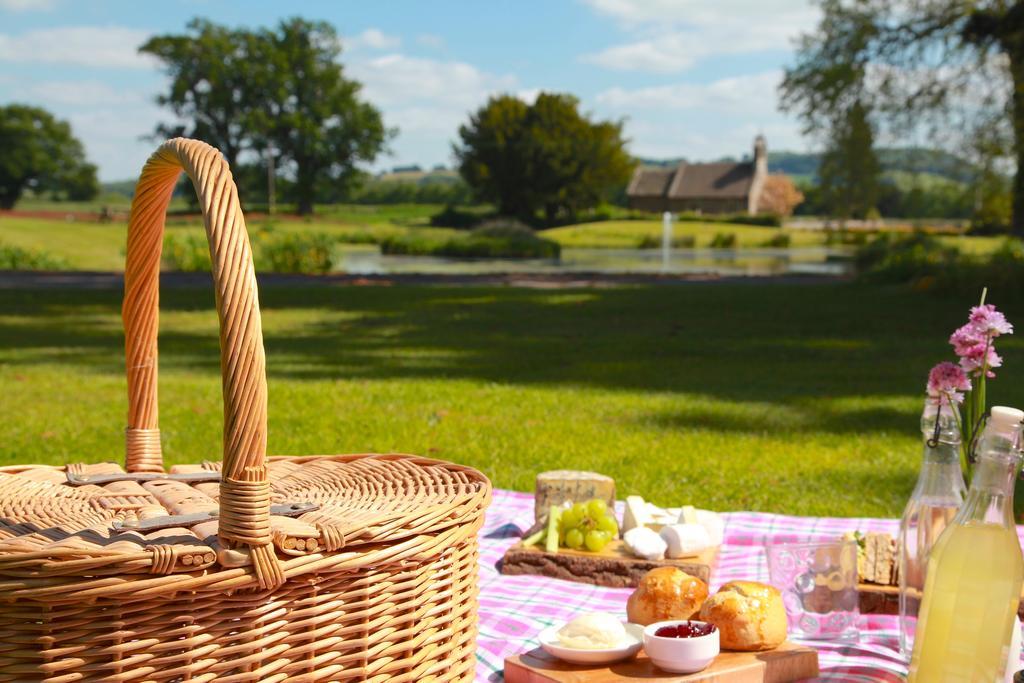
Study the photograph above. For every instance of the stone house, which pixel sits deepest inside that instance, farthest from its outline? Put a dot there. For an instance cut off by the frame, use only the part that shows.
(702, 188)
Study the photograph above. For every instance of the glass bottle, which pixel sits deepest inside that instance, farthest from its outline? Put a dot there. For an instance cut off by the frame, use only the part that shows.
(975, 571)
(936, 498)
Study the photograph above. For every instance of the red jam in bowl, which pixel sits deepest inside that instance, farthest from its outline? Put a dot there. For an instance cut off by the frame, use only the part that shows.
(687, 629)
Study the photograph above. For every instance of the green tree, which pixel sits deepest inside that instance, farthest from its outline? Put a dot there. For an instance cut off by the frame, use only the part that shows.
(311, 114)
(545, 157)
(41, 154)
(849, 168)
(210, 69)
(283, 91)
(955, 66)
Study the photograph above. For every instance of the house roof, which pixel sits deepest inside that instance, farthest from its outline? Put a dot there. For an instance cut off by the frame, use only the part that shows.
(721, 180)
(651, 181)
(691, 181)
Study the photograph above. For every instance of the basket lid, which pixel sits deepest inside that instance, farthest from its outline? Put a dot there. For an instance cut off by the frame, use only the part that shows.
(48, 525)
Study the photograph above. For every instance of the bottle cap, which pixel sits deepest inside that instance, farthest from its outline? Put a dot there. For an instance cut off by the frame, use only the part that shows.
(1004, 419)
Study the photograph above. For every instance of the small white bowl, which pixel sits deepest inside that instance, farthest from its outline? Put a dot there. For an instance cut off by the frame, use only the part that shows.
(680, 655)
(629, 648)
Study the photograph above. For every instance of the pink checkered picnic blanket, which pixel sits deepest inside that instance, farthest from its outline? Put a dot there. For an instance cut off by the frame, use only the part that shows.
(515, 609)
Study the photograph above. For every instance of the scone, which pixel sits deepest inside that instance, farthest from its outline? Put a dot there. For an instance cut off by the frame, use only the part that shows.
(750, 616)
(665, 593)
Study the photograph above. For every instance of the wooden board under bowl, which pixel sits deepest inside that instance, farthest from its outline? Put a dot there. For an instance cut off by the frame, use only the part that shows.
(788, 662)
(876, 599)
(614, 566)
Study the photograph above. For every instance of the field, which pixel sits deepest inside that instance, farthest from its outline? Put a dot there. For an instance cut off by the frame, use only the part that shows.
(776, 397)
(627, 234)
(100, 246)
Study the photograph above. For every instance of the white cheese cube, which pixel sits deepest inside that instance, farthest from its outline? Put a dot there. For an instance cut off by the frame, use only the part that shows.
(645, 543)
(685, 540)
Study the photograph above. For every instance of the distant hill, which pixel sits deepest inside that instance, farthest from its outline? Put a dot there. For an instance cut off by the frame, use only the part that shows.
(419, 176)
(901, 161)
(898, 160)
(121, 187)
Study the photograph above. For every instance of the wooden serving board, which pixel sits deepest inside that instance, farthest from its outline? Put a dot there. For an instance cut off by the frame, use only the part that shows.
(788, 662)
(876, 599)
(614, 566)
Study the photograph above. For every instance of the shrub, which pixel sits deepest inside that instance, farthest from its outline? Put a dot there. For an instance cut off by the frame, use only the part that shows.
(723, 240)
(779, 241)
(678, 242)
(454, 217)
(16, 258)
(846, 237)
(499, 240)
(905, 258)
(426, 190)
(295, 252)
(768, 220)
(504, 228)
(187, 253)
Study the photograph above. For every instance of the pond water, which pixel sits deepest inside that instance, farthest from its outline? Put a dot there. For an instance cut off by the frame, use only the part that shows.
(367, 260)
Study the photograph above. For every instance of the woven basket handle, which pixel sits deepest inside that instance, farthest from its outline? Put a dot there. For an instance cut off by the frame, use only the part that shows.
(245, 488)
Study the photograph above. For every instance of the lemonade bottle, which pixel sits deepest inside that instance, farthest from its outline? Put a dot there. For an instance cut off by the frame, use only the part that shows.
(975, 571)
(938, 495)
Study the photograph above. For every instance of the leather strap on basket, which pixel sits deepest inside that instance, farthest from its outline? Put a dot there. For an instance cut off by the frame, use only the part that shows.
(245, 489)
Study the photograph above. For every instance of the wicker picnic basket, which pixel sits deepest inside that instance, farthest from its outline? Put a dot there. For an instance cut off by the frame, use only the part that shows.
(321, 568)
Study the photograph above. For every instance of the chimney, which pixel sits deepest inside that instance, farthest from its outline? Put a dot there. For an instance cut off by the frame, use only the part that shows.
(760, 155)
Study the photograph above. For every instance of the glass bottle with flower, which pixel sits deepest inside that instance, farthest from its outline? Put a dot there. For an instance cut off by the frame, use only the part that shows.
(974, 344)
(938, 495)
(953, 417)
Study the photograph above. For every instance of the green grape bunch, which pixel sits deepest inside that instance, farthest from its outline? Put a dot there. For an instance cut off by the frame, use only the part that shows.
(589, 525)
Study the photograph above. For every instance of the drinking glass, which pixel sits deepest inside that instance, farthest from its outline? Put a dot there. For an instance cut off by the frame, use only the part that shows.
(818, 582)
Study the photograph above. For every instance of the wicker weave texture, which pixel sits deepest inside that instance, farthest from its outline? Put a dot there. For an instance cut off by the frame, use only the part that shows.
(378, 583)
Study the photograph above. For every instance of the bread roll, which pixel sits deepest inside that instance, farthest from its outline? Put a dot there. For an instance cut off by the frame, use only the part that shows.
(665, 593)
(750, 616)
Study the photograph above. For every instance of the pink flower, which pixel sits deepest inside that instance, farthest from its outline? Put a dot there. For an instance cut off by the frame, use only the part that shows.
(946, 381)
(979, 356)
(989, 321)
(966, 338)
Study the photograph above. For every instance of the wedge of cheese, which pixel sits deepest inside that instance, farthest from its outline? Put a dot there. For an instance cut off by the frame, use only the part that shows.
(688, 515)
(560, 486)
(636, 515)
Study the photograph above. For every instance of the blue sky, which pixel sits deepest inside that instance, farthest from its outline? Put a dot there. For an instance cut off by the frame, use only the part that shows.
(693, 78)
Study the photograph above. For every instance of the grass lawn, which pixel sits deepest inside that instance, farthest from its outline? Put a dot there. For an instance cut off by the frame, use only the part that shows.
(100, 246)
(789, 398)
(96, 246)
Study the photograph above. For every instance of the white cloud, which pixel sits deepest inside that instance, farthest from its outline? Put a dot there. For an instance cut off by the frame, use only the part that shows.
(373, 39)
(529, 95)
(93, 46)
(435, 42)
(83, 93)
(671, 139)
(113, 123)
(729, 95)
(702, 120)
(27, 5)
(117, 139)
(673, 35)
(400, 79)
(427, 99)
